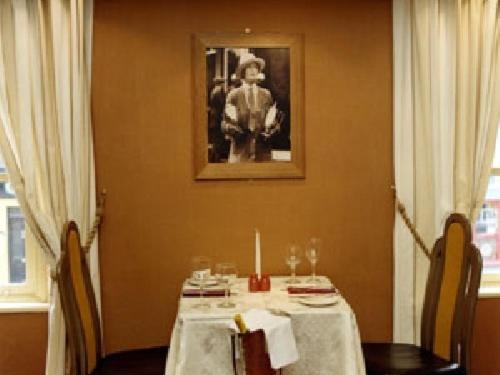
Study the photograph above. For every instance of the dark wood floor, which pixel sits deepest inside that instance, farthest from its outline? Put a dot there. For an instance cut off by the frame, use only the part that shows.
(136, 362)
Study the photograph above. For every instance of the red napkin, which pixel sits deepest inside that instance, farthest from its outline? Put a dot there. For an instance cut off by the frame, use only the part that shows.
(206, 293)
(311, 290)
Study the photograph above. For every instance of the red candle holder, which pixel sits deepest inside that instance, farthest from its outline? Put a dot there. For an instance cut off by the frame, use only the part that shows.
(253, 283)
(265, 283)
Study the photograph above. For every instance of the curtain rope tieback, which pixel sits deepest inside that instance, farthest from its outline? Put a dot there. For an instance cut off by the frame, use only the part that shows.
(97, 221)
(418, 239)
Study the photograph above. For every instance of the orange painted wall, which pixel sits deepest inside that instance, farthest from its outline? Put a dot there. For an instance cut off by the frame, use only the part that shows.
(157, 217)
(486, 342)
(23, 343)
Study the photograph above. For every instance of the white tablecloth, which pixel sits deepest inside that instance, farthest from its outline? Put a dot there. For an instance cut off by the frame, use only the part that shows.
(327, 338)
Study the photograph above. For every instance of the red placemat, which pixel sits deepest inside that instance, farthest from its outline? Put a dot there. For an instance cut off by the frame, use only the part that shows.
(311, 290)
(206, 293)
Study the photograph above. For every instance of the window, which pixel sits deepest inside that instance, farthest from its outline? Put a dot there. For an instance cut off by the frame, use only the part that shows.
(487, 227)
(23, 270)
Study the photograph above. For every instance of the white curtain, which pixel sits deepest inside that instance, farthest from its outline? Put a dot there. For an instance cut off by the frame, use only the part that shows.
(446, 113)
(45, 130)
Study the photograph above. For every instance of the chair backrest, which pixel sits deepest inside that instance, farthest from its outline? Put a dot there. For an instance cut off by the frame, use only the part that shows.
(78, 303)
(451, 293)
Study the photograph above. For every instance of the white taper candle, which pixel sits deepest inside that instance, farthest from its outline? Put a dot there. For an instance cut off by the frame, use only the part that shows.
(257, 253)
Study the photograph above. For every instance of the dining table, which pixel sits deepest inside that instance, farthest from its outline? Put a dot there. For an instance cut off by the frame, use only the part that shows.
(326, 334)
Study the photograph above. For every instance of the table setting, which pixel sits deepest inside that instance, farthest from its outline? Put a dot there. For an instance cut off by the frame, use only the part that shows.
(307, 327)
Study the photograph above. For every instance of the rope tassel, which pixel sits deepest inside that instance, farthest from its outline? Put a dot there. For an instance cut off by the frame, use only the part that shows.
(418, 239)
(99, 213)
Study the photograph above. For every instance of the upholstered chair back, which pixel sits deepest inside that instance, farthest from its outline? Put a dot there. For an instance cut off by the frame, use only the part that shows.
(78, 303)
(451, 293)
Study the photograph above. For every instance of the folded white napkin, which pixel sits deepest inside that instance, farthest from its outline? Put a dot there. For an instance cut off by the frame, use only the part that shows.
(279, 336)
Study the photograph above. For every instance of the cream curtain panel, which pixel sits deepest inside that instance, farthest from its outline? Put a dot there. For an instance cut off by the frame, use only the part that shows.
(446, 114)
(45, 130)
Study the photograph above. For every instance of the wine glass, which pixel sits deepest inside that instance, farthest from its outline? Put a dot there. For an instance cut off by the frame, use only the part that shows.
(293, 258)
(226, 274)
(201, 269)
(312, 254)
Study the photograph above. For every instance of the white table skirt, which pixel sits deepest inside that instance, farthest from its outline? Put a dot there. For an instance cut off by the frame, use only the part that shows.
(327, 338)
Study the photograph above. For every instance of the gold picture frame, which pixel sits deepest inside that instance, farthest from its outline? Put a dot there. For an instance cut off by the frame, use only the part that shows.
(274, 142)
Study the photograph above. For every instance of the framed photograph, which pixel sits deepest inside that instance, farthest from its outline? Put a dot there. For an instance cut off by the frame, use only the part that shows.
(248, 106)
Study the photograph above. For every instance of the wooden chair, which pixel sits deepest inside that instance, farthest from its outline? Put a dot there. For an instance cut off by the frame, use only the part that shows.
(448, 311)
(82, 321)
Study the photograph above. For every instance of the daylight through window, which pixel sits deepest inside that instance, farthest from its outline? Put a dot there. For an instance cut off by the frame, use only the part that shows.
(23, 273)
(486, 229)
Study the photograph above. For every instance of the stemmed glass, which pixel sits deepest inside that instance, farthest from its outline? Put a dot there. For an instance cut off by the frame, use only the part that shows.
(293, 258)
(312, 254)
(201, 269)
(226, 275)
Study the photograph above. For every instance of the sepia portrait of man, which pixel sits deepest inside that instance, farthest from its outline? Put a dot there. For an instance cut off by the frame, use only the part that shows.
(248, 105)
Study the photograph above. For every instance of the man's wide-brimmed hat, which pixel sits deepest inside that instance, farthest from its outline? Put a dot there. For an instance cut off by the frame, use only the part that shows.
(247, 59)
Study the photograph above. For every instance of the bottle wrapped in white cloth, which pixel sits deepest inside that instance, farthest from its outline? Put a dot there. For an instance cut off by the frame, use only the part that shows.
(279, 336)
